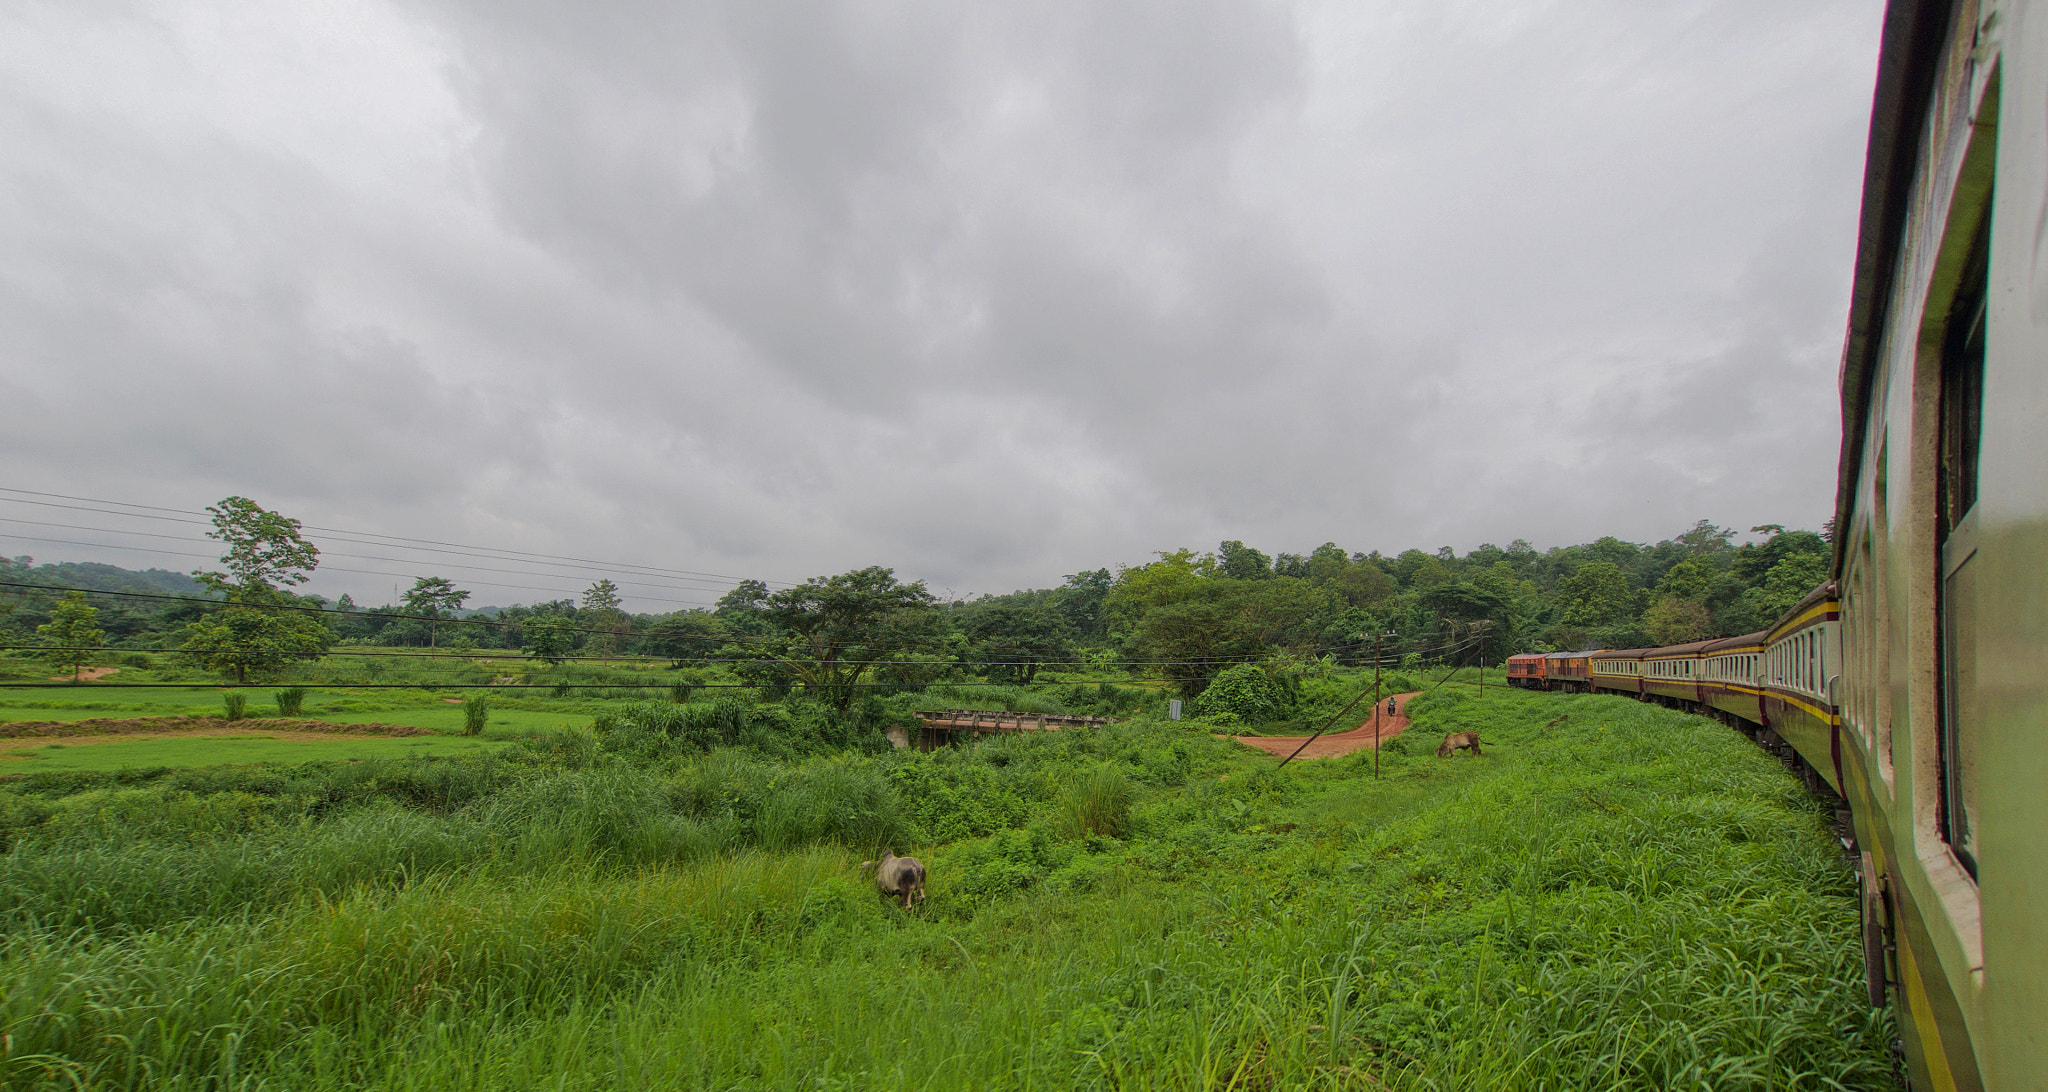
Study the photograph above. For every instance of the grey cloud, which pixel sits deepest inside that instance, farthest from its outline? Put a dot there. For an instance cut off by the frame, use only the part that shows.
(991, 294)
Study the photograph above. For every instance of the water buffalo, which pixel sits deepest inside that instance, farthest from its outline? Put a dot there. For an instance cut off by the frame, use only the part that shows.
(1455, 740)
(898, 877)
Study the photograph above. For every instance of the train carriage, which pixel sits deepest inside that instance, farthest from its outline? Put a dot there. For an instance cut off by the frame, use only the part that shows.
(1801, 666)
(1916, 683)
(1569, 671)
(1732, 675)
(1618, 669)
(1674, 672)
(1941, 539)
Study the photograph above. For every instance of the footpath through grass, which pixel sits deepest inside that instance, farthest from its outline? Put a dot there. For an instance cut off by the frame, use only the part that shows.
(1631, 898)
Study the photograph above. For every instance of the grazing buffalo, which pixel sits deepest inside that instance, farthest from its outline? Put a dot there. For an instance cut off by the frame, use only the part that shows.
(899, 877)
(1455, 740)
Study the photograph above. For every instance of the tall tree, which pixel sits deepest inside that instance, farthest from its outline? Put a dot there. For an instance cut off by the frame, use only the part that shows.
(1016, 638)
(601, 612)
(686, 635)
(1675, 621)
(1705, 538)
(259, 627)
(71, 634)
(548, 637)
(430, 595)
(829, 632)
(1597, 595)
(264, 548)
(1241, 562)
(1222, 621)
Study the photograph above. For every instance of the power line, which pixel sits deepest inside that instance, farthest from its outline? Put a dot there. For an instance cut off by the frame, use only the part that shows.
(323, 553)
(424, 544)
(570, 592)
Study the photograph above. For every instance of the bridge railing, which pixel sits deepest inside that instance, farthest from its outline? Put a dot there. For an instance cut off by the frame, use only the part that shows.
(935, 723)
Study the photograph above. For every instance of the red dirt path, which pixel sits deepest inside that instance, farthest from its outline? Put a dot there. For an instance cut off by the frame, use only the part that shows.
(1339, 743)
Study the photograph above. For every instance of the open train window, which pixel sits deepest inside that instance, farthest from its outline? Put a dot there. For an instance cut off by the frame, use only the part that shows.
(1962, 415)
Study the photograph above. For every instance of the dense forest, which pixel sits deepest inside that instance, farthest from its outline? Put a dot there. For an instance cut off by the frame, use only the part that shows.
(1182, 617)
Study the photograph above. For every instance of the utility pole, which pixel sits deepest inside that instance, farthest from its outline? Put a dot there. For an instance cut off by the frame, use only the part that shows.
(1376, 703)
(1482, 654)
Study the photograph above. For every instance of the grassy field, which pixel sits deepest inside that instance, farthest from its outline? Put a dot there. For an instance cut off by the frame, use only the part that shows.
(1630, 899)
(204, 750)
(440, 711)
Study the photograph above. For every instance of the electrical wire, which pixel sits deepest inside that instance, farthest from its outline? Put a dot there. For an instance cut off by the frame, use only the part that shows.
(421, 544)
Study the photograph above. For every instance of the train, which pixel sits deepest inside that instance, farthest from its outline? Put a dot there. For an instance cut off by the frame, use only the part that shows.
(1913, 684)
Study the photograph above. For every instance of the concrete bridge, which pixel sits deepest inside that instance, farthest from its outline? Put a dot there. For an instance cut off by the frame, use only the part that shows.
(940, 727)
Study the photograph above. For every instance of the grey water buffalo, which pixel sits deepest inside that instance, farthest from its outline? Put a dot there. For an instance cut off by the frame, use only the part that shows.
(901, 878)
(1456, 740)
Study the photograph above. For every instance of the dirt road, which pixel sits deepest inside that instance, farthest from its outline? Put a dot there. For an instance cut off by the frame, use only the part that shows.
(1339, 743)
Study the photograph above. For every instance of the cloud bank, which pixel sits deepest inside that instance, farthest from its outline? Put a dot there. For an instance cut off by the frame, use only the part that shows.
(986, 294)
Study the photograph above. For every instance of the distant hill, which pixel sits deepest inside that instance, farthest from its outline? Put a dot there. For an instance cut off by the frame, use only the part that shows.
(95, 576)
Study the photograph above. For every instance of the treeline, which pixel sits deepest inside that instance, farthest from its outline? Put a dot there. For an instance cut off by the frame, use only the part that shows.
(1183, 617)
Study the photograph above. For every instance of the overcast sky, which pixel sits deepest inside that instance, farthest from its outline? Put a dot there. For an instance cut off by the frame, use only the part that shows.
(988, 293)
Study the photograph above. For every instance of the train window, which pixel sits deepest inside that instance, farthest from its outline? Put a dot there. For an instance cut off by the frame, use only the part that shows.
(1961, 417)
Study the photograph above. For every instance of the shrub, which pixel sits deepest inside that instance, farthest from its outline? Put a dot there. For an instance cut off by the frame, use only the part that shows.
(1246, 691)
(138, 660)
(290, 700)
(237, 704)
(476, 710)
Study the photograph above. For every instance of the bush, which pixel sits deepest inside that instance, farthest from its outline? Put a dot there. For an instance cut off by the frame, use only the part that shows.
(290, 701)
(1246, 691)
(476, 710)
(237, 704)
(138, 661)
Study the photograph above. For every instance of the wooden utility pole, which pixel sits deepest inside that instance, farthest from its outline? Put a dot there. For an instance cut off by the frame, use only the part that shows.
(1376, 703)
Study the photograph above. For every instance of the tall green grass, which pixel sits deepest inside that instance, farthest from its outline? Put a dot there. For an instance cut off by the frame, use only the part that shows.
(1635, 899)
(290, 700)
(476, 712)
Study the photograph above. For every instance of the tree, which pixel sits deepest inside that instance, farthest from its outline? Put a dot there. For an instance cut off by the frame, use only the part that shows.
(601, 598)
(1223, 620)
(1674, 620)
(601, 611)
(686, 635)
(71, 633)
(829, 632)
(259, 627)
(1016, 638)
(1597, 595)
(430, 595)
(548, 637)
(1687, 580)
(1754, 562)
(1081, 600)
(1787, 583)
(264, 548)
(1705, 538)
(260, 630)
(1463, 602)
(1240, 562)
(740, 609)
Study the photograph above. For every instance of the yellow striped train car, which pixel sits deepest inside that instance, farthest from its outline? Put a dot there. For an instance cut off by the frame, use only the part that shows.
(1941, 541)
